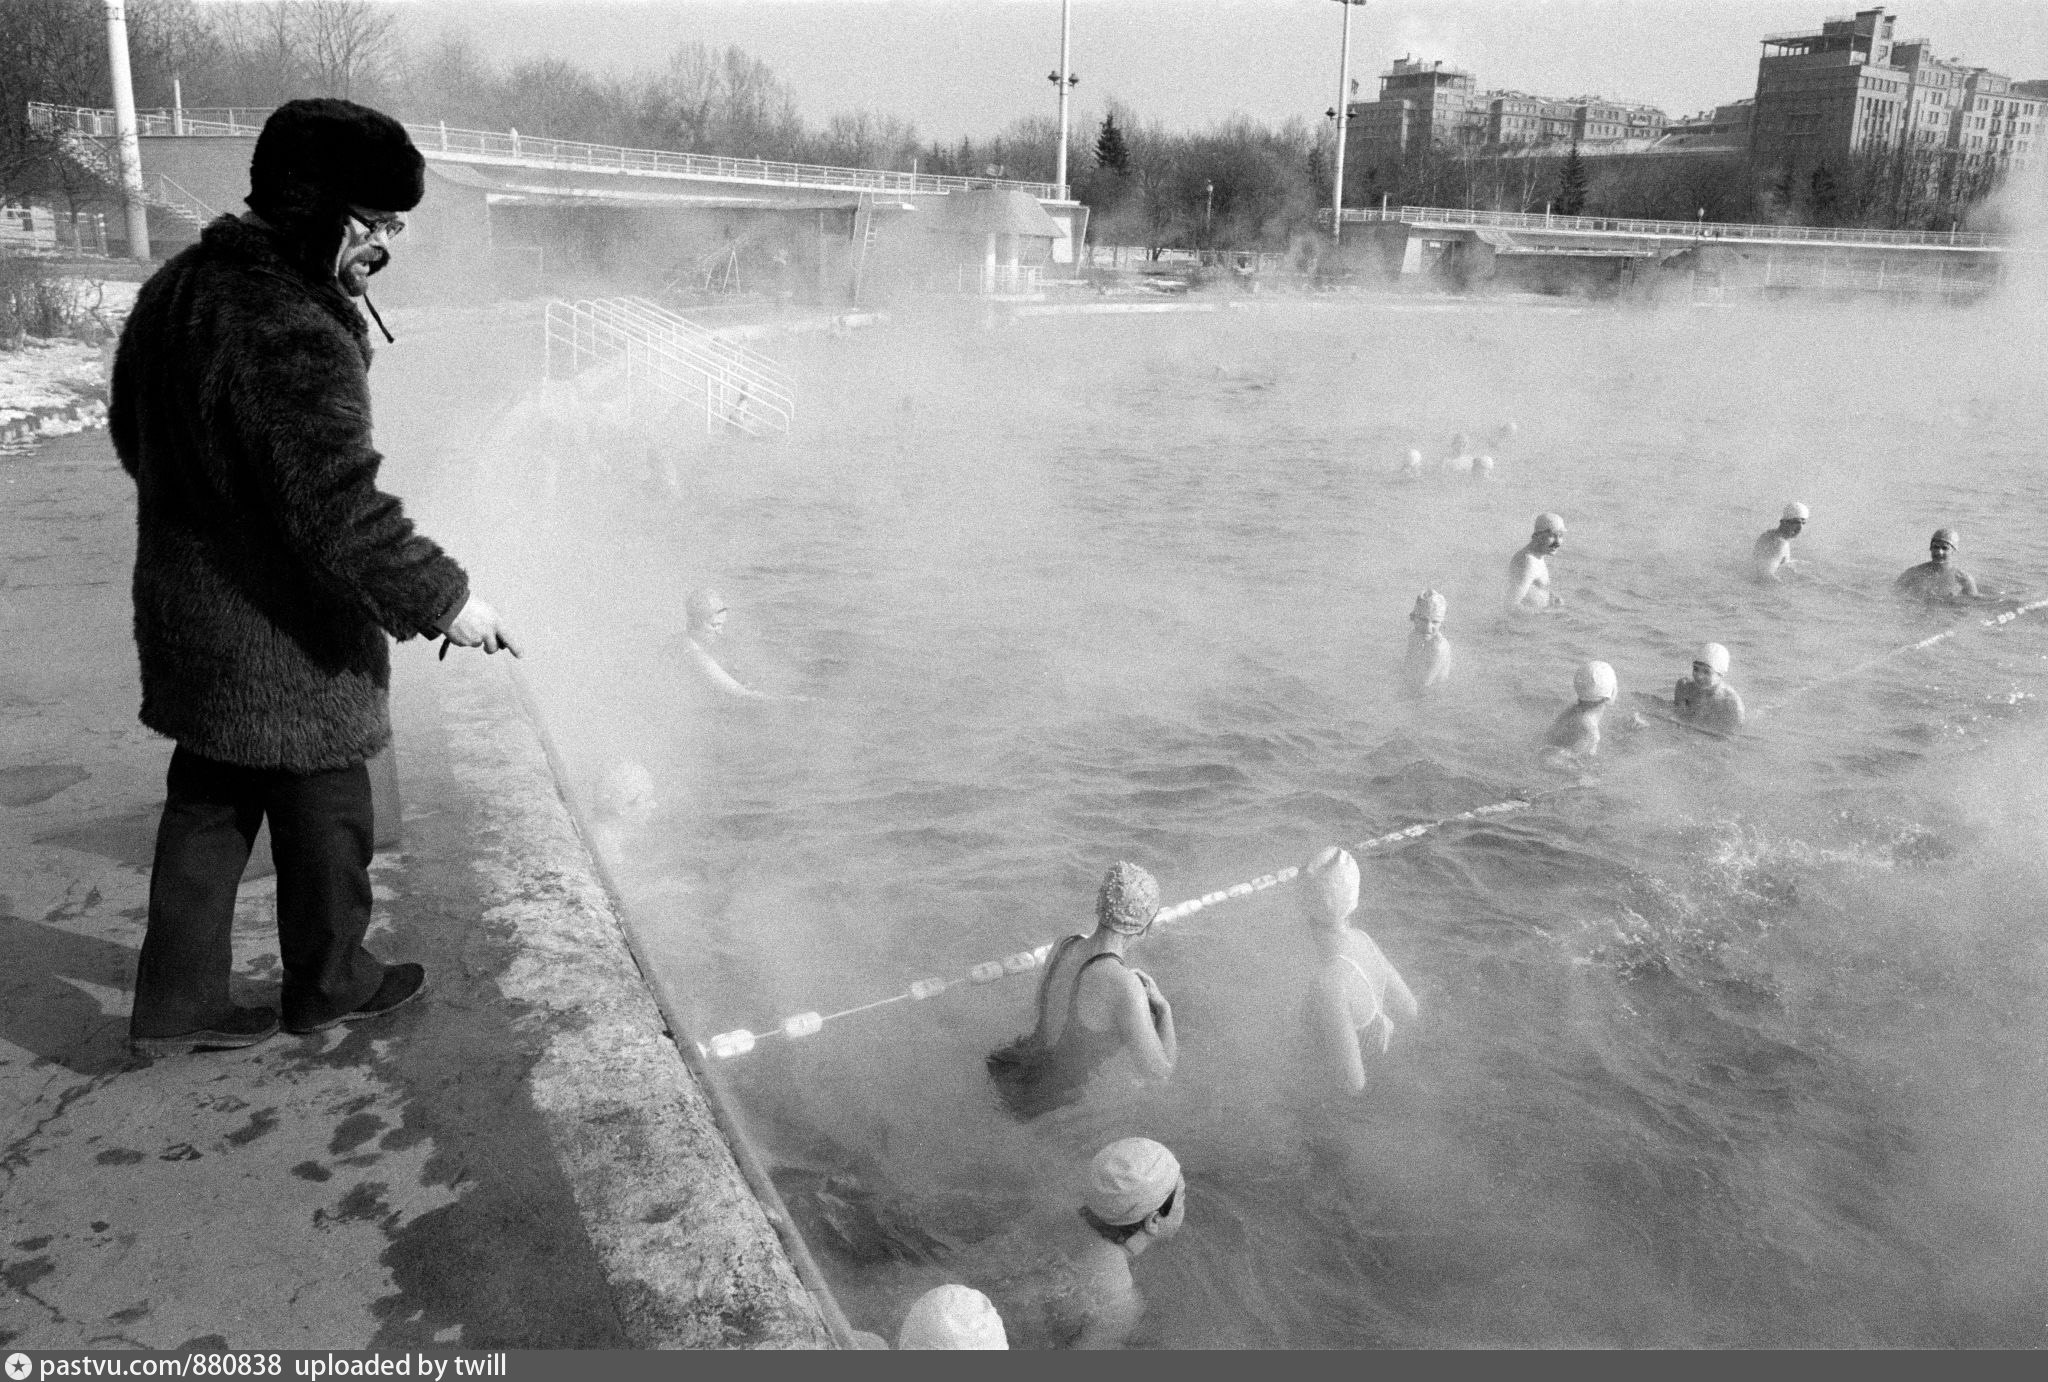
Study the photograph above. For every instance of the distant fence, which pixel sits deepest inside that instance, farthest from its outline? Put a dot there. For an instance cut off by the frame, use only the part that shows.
(1688, 230)
(512, 146)
(1138, 256)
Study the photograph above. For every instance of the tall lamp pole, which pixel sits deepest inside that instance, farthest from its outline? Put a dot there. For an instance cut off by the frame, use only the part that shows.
(1343, 120)
(124, 131)
(1064, 79)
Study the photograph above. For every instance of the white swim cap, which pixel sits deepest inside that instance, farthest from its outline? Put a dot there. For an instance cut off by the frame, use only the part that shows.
(1127, 900)
(701, 605)
(1549, 523)
(1796, 510)
(1595, 682)
(1714, 655)
(1428, 605)
(952, 1317)
(1129, 1179)
(1332, 884)
(1484, 463)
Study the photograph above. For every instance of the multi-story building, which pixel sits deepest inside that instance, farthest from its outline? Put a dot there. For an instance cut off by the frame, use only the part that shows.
(1852, 87)
(1601, 125)
(1421, 105)
(1996, 121)
(1427, 105)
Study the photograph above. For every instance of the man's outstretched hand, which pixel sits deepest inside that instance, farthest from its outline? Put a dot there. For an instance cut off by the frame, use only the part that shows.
(479, 626)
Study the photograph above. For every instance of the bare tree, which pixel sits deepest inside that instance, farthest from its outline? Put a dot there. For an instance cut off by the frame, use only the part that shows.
(684, 99)
(261, 62)
(450, 81)
(344, 44)
(759, 114)
(864, 139)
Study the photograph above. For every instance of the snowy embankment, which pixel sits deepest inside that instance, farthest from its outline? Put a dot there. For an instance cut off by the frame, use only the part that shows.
(50, 387)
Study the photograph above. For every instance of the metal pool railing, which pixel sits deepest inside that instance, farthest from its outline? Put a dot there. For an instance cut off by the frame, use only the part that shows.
(675, 357)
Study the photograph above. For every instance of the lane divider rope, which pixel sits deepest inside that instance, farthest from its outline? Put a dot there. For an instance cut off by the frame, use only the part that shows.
(742, 1040)
(726, 1045)
(1994, 622)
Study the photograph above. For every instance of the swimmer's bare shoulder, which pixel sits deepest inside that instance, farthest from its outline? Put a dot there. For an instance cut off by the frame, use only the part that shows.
(1571, 729)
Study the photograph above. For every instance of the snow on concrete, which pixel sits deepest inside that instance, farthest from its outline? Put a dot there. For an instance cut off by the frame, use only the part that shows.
(51, 387)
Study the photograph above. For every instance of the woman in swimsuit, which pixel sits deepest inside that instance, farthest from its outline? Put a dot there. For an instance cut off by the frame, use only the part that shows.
(1093, 1007)
(1357, 991)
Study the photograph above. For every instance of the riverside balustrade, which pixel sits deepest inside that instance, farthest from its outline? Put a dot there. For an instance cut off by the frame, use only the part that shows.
(1688, 230)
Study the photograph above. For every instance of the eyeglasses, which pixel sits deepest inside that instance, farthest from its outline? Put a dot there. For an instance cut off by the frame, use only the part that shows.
(390, 227)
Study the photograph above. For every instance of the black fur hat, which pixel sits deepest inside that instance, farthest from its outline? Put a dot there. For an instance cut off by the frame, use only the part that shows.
(317, 157)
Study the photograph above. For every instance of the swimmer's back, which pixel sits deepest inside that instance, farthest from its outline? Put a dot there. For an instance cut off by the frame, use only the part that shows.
(1372, 984)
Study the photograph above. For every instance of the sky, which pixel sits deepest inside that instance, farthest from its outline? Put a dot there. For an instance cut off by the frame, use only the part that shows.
(970, 67)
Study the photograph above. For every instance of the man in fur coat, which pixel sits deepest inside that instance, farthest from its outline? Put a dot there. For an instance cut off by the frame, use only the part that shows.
(269, 570)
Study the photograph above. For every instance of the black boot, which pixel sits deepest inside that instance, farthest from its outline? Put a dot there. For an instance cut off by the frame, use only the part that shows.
(240, 1027)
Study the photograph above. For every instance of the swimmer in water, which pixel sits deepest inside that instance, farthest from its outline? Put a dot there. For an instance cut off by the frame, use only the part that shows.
(1428, 665)
(1529, 568)
(1411, 469)
(1066, 1282)
(626, 794)
(1356, 988)
(1773, 551)
(704, 620)
(1098, 1016)
(1704, 700)
(1937, 580)
(1460, 459)
(1575, 734)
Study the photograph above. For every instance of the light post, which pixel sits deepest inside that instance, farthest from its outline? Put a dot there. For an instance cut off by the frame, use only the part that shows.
(1343, 120)
(1064, 80)
(1208, 206)
(130, 149)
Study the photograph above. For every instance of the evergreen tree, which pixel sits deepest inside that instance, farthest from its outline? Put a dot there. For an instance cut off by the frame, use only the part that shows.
(1571, 184)
(1826, 193)
(1110, 150)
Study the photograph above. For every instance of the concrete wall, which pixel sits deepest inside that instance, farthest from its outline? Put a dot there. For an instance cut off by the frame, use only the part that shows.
(216, 171)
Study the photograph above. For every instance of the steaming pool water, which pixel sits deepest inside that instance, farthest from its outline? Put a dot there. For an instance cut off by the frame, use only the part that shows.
(1736, 1044)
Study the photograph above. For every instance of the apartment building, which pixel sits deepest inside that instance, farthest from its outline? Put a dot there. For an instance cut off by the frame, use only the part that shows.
(1428, 105)
(1853, 87)
(1421, 105)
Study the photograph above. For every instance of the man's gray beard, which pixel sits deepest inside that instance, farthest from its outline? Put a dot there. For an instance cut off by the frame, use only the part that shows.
(354, 275)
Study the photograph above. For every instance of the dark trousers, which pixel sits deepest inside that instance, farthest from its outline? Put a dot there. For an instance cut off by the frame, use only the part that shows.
(320, 836)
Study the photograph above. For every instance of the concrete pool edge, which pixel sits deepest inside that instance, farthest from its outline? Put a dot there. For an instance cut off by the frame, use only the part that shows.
(799, 1286)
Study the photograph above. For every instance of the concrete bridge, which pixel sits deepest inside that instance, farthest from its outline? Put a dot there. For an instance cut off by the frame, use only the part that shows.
(519, 200)
(1544, 250)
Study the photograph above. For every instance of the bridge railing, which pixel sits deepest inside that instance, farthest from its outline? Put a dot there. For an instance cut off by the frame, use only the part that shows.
(441, 140)
(1690, 230)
